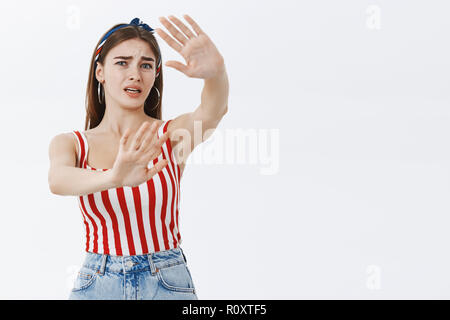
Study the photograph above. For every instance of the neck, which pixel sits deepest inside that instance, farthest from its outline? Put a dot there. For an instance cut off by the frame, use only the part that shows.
(118, 118)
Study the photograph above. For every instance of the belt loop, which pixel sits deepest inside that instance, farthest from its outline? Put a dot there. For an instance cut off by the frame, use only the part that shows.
(103, 265)
(185, 260)
(153, 268)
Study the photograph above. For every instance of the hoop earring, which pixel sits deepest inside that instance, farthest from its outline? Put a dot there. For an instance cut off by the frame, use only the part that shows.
(159, 96)
(100, 93)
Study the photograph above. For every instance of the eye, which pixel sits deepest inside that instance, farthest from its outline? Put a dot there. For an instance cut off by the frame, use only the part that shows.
(150, 66)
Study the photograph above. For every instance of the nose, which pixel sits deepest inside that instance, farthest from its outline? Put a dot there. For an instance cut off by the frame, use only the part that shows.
(134, 73)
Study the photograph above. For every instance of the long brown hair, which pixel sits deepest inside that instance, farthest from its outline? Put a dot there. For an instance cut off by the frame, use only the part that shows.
(96, 110)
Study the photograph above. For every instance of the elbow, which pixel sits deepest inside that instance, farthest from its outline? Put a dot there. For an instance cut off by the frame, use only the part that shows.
(225, 110)
(51, 184)
(53, 189)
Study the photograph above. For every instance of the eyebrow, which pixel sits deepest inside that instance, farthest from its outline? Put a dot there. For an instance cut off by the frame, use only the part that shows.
(130, 57)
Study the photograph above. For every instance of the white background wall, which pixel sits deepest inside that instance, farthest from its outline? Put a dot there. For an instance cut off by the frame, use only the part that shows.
(358, 92)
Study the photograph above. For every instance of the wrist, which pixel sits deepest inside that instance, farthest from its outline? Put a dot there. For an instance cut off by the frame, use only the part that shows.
(112, 180)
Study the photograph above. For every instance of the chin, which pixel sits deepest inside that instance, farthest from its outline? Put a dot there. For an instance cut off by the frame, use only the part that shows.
(132, 104)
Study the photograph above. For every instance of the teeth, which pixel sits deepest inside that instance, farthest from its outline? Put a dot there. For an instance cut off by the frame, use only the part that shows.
(132, 90)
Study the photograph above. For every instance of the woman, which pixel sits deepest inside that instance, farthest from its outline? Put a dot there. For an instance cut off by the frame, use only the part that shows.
(126, 167)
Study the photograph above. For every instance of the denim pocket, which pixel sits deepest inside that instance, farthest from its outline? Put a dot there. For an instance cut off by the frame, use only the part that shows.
(176, 277)
(85, 279)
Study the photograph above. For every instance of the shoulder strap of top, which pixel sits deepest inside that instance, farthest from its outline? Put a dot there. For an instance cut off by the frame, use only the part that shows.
(163, 128)
(160, 130)
(82, 148)
(168, 143)
(166, 124)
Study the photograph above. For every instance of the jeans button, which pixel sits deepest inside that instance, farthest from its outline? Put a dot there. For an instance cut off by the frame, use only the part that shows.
(130, 264)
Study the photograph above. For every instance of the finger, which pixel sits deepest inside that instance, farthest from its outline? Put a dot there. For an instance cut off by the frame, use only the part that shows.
(149, 137)
(182, 27)
(172, 43)
(154, 151)
(156, 168)
(174, 31)
(137, 138)
(125, 136)
(194, 25)
(161, 140)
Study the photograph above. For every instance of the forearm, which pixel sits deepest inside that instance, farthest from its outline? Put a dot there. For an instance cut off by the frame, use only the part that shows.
(215, 92)
(75, 181)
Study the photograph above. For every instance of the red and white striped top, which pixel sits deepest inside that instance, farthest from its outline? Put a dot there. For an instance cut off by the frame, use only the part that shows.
(133, 220)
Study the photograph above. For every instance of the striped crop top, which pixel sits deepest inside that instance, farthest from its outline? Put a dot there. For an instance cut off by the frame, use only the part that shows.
(133, 220)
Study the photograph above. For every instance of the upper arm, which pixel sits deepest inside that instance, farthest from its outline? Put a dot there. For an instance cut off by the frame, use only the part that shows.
(62, 152)
(190, 129)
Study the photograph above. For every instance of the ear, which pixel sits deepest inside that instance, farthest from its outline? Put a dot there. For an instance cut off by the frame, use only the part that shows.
(99, 72)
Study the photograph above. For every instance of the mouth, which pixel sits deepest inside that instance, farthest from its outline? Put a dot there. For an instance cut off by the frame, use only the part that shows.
(132, 92)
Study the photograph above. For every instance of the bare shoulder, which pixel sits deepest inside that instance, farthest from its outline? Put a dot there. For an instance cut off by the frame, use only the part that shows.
(176, 127)
(180, 123)
(63, 149)
(185, 124)
(183, 121)
(66, 139)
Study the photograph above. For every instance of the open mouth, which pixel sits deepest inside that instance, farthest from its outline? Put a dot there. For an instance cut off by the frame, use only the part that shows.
(132, 90)
(132, 93)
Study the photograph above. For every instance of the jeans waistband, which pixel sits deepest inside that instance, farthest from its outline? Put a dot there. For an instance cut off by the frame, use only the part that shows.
(102, 263)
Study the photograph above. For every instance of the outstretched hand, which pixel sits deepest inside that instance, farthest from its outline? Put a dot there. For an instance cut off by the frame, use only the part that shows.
(131, 164)
(203, 60)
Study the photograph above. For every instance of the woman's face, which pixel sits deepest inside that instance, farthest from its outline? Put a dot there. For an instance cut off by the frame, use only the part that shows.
(131, 63)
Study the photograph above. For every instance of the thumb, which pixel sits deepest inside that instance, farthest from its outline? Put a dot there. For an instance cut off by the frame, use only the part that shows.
(176, 65)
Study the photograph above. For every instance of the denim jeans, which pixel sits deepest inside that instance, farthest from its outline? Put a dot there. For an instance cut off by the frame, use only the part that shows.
(162, 275)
